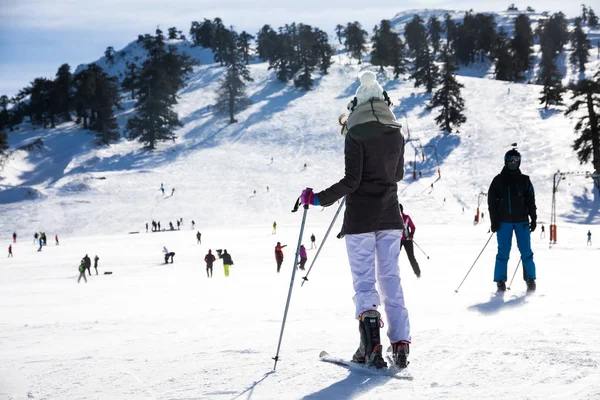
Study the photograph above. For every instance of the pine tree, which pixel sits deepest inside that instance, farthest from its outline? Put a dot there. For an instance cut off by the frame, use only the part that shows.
(451, 32)
(415, 35)
(202, 34)
(398, 56)
(243, 43)
(222, 41)
(522, 47)
(486, 35)
(63, 84)
(266, 42)
(466, 39)
(308, 60)
(586, 93)
(283, 58)
(592, 19)
(96, 98)
(131, 79)
(553, 33)
(231, 95)
(383, 41)
(551, 79)
(448, 96)
(425, 72)
(435, 32)
(503, 57)
(3, 141)
(163, 74)
(4, 114)
(323, 51)
(584, 14)
(172, 32)
(109, 53)
(355, 40)
(580, 45)
(42, 107)
(340, 32)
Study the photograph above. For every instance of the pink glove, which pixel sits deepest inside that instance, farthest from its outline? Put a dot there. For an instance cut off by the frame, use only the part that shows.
(308, 197)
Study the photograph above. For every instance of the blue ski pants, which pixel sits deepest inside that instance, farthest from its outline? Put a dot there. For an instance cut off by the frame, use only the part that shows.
(504, 236)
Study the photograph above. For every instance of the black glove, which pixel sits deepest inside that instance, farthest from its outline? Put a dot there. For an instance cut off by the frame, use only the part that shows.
(532, 225)
(495, 227)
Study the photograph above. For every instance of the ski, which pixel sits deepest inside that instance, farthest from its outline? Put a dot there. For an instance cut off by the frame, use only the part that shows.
(391, 372)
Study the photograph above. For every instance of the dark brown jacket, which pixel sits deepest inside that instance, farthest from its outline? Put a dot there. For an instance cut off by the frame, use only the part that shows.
(374, 163)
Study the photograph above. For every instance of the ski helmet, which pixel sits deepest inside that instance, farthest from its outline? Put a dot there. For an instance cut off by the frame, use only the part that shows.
(512, 160)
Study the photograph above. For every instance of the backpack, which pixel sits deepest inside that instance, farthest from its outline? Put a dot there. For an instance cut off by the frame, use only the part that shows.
(81, 268)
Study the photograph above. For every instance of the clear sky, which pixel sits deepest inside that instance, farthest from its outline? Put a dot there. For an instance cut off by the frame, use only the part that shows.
(37, 36)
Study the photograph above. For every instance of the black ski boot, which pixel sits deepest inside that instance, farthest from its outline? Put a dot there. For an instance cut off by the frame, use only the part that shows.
(531, 285)
(400, 352)
(501, 286)
(369, 351)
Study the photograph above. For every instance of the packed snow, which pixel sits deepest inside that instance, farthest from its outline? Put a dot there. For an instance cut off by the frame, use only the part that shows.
(152, 330)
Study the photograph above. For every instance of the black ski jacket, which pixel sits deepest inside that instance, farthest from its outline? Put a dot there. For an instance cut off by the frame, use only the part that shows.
(226, 259)
(210, 259)
(374, 163)
(511, 198)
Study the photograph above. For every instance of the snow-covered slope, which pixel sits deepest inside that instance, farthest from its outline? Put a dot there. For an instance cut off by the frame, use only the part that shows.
(168, 332)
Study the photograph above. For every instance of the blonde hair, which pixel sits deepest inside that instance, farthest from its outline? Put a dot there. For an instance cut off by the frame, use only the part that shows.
(342, 123)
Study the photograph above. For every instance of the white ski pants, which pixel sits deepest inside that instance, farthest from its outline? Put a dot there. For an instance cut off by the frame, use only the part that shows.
(373, 258)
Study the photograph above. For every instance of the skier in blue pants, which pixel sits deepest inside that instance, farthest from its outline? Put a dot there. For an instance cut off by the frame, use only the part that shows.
(511, 202)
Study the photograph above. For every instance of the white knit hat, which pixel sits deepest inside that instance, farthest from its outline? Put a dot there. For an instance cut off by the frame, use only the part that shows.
(369, 88)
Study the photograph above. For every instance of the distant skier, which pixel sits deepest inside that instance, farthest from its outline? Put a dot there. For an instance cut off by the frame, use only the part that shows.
(153, 226)
(146, 227)
(41, 241)
(171, 226)
(227, 261)
(172, 191)
(168, 254)
(267, 189)
(511, 201)
(162, 189)
(313, 241)
(96, 258)
(209, 259)
(87, 264)
(198, 238)
(56, 239)
(178, 224)
(279, 255)
(158, 225)
(406, 241)
(589, 238)
(303, 257)
(35, 237)
(543, 234)
(10, 254)
(82, 271)
(274, 227)
(14, 237)
(482, 215)
(193, 224)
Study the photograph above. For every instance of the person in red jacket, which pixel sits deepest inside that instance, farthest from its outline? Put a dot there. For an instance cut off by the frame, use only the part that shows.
(10, 254)
(279, 255)
(209, 259)
(407, 243)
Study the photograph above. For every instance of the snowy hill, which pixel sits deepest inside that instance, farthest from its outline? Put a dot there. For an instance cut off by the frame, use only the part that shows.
(294, 127)
(168, 332)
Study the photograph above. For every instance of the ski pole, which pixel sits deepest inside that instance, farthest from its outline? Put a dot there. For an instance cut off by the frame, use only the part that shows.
(305, 278)
(289, 297)
(513, 277)
(420, 249)
(486, 243)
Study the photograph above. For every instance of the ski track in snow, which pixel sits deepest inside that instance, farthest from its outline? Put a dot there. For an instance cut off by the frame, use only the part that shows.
(156, 331)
